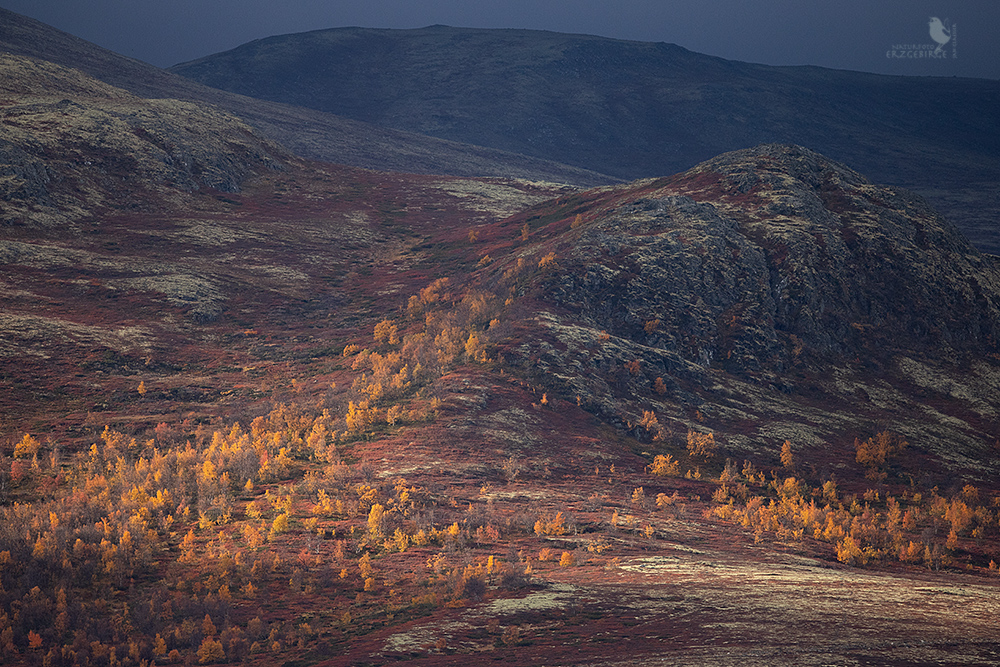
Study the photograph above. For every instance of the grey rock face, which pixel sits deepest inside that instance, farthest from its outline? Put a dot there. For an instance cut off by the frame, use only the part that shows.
(761, 259)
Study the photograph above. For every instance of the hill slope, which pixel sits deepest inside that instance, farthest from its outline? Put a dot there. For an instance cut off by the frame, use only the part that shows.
(337, 416)
(764, 287)
(72, 146)
(307, 132)
(631, 109)
(131, 224)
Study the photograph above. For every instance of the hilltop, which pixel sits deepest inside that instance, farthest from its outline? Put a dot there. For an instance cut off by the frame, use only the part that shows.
(632, 109)
(764, 290)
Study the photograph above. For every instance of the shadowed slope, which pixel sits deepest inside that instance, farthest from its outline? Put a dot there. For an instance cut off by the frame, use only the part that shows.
(307, 132)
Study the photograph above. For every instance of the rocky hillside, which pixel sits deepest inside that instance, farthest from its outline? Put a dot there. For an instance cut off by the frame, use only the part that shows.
(767, 286)
(71, 145)
(630, 109)
(139, 234)
(754, 258)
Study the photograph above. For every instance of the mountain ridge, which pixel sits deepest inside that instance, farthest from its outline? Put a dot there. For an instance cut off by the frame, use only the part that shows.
(631, 109)
(309, 133)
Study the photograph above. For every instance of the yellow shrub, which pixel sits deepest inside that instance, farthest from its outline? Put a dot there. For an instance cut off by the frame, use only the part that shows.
(27, 448)
(211, 651)
(665, 465)
(554, 526)
(279, 525)
(701, 444)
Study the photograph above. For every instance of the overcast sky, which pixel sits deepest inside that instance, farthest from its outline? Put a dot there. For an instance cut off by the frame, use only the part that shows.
(849, 34)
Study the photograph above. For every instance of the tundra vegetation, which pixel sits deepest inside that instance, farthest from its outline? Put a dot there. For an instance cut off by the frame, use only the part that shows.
(160, 548)
(344, 414)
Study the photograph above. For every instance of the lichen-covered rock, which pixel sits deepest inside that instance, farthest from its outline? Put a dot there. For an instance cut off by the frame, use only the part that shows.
(68, 141)
(765, 295)
(672, 273)
(762, 259)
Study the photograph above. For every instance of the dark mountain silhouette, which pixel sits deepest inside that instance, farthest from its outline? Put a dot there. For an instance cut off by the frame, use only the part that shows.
(632, 109)
(306, 132)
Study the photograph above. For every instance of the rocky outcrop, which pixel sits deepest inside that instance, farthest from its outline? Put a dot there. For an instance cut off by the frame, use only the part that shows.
(69, 141)
(762, 259)
(22, 176)
(765, 295)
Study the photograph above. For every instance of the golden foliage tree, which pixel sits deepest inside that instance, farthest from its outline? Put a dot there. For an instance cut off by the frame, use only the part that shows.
(386, 332)
(27, 447)
(665, 465)
(210, 651)
(875, 452)
(553, 526)
(701, 445)
(548, 261)
(787, 458)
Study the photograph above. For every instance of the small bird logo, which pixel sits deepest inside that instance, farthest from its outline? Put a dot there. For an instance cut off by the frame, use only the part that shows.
(939, 33)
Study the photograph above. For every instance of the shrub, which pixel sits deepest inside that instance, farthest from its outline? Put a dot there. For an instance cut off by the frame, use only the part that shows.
(665, 465)
(279, 525)
(211, 651)
(787, 458)
(473, 586)
(553, 526)
(701, 444)
(875, 453)
(386, 332)
(27, 447)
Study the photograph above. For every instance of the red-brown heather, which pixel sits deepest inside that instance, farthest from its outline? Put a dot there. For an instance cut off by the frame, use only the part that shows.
(306, 421)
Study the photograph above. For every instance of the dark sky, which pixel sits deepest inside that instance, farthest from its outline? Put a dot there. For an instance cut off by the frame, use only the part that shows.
(850, 34)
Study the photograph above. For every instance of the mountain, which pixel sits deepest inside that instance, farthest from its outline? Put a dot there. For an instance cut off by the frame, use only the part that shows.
(632, 109)
(260, 409)
(307, 132)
